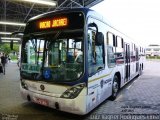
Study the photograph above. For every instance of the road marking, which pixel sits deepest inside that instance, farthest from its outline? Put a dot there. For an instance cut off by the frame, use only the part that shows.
(129, 86)
(135, 81)
(119, 97)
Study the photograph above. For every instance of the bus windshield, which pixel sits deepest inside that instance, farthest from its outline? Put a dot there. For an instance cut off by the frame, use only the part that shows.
(55, 57)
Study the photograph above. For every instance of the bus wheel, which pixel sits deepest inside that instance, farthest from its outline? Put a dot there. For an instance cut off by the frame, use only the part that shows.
(115, 88)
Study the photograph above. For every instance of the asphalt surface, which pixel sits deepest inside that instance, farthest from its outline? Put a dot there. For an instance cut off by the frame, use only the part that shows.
(138, 100)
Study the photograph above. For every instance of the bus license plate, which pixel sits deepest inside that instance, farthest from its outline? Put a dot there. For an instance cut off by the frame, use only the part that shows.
(42, 101)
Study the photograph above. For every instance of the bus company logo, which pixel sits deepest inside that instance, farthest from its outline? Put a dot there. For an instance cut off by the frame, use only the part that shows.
(42, 87)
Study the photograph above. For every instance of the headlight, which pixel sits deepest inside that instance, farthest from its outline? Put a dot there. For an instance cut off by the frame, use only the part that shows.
(24, 85)
(73, 92)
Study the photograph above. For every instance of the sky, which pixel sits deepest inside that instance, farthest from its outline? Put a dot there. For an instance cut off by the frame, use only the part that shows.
(138, 19)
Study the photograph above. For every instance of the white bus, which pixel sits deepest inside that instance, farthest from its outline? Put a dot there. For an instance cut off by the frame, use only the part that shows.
(72, 60)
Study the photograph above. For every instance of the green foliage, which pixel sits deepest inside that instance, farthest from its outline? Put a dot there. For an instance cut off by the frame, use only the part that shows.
(153, 57)
(16, 47)
(13, 57)
(5, 47)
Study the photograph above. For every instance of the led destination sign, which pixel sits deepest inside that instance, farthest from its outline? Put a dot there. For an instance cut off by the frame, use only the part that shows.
(53, 23)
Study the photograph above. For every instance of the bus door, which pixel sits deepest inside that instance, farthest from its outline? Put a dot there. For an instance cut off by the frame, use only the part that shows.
(137, 60)
(127, 62)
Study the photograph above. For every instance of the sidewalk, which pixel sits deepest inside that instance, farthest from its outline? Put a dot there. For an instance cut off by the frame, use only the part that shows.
(12, 72)
(9, 87)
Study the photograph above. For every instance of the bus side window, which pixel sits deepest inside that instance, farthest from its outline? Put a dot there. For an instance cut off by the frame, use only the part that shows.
(110, 49)
(110, 56)
(119, 54)
(110, 40)
(95, 54)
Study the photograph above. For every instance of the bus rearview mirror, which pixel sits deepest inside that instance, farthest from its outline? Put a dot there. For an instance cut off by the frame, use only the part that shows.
(99, 39)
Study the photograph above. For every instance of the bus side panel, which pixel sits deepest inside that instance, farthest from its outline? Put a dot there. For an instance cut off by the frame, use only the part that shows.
(99, 89)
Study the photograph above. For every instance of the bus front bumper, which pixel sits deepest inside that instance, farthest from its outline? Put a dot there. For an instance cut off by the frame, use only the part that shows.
(75, 106)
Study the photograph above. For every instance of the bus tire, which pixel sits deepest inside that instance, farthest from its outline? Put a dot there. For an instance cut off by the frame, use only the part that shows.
(115, 88)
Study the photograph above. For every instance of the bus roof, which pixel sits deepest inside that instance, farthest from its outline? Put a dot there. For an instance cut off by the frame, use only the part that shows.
(84, 10)
(34, 21)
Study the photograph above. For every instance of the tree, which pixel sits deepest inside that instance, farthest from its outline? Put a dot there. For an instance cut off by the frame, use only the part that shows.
(5, 47)
(16, 48)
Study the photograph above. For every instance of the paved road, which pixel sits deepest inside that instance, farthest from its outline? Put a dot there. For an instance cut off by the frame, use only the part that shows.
(141, 98)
